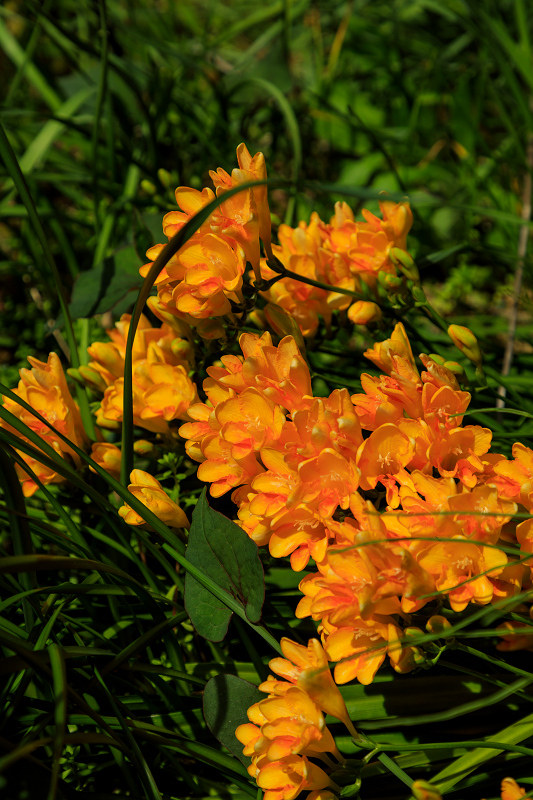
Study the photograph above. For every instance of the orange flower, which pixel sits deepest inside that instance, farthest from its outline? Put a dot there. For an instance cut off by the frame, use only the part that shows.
(515, 641)
(510, 790)
(382, 353)
(161, 393)
(457, 453)
(483, 500)
(288, 722)
(149, 491)
(45, 389)
(254, 169)
(362, 312)
(237, 217)
(457, 567)
(308, 668)
(108, 456)
(280, 373)
(514, 479)
(285, 780)
(386, 451)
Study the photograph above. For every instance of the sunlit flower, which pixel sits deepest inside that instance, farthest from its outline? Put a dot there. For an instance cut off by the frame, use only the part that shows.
(149, 491)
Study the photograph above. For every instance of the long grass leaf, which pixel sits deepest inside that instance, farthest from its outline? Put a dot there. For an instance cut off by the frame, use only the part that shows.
(10, 160)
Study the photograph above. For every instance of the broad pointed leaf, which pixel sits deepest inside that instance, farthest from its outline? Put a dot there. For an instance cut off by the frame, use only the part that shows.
(230, 558)
(227, 698)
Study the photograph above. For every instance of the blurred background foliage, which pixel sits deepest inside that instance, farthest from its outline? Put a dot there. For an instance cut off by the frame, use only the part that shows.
(111, 105)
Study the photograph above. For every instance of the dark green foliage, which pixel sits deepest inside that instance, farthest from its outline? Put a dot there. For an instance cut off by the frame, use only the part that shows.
(230, 558)
(227, 698)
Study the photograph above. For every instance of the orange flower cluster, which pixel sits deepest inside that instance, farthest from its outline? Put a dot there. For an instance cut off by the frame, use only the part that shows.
(288, 726)
(162, 389)
(307, 472)
(45, 389)
(343, 253)
(199, 282)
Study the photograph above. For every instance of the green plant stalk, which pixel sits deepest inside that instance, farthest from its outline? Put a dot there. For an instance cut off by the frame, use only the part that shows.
(59, 683)
(100, 98)
(17, 55)
(147, 778)
(20, 529)
(505, 740)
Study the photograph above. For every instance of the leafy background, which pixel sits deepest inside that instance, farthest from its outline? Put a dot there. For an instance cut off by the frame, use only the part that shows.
(111, 105)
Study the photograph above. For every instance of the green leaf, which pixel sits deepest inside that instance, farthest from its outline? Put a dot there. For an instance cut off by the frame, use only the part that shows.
(113, 281)
(227, 698)
(230, 558)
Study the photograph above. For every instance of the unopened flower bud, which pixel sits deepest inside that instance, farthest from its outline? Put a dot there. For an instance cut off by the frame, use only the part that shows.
(454, 367)
(165, 177)
(257, 318)
(108, 456)
(142, 447)
(404, 262)
(182, 350)
(149, 491)
(362, 312)
(148, 187)
(438, 624)
(90, 377)
(389, 282)
(437, 359)
(284, 324)
(419, 296)
(464, 339)
(422, 790)
(211, 329)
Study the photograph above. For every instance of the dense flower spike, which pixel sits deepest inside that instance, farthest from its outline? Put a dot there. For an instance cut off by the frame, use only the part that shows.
(302, 475)
(344, 254)
(288, 727)
(162, 389)
(45, 389)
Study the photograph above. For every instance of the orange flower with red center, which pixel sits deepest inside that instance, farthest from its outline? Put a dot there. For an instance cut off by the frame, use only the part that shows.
(482, 500)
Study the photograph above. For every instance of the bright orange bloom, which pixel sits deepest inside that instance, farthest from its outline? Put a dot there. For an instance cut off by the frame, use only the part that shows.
(285, 780)
(386, 451)
(161, 393)
(45, 389)
(510, 790)
(308, 668)
(280, 373)
(108, 456)
(286, 723)
(514, 479)
(515, 641)
(457, 567)
(149, 491)
(362, 312)
(383, 352)
(456, 454)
